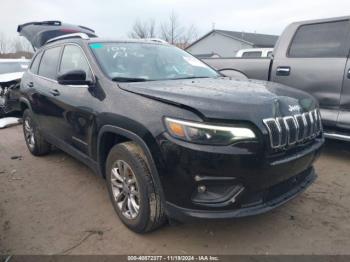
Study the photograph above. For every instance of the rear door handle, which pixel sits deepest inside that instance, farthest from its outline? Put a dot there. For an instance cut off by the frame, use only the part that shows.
(283, 71)
(349, 73)
(54, 92)
(30, 84)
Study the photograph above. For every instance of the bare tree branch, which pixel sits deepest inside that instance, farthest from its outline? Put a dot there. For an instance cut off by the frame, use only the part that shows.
(14, 45)
(143, 29)
(171, 31)
(3, 43)
(190, 35)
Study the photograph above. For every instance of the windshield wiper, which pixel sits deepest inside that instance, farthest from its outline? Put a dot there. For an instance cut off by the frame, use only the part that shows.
(190, 77)
(129, 79)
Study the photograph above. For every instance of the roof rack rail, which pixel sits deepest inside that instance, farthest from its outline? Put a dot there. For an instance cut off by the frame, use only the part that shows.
(157, 40)
(75, 35)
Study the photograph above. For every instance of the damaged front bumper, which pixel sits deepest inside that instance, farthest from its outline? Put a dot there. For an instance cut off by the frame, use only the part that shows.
(257, 203)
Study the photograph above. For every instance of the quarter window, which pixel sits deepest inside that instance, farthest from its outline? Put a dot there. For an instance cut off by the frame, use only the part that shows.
(49, 63)
(35, 64)
(73, 58)
(253, 54)
(321, 40)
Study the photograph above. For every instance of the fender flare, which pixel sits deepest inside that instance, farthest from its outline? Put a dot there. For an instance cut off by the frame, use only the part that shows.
(140, 142)
(23, 100)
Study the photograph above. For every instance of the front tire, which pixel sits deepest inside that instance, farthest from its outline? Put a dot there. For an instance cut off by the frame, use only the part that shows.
(36, 144)
(134, 196)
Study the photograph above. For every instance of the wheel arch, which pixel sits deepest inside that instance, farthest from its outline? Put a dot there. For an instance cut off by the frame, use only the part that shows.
(108, 132)
(24, 104)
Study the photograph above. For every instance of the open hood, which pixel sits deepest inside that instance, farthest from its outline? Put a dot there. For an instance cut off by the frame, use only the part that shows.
(38, 33)
(9, 77)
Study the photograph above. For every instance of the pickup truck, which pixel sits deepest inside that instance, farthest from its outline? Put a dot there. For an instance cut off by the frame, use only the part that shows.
(312, 56)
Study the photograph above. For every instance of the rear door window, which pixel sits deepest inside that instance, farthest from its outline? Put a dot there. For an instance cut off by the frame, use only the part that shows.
(73, 58)
(253, 54)
(35, 64)
(321, 40)
(49, 63)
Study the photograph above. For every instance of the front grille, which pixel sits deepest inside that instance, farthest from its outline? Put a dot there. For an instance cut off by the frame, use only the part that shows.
(289, 130)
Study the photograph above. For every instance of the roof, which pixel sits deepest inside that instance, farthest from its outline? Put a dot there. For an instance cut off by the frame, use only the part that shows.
(257, 40)
(323, 20)
(126, 40)
(104, 40)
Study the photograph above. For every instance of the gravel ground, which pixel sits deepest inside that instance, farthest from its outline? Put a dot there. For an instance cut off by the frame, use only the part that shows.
(55, 205)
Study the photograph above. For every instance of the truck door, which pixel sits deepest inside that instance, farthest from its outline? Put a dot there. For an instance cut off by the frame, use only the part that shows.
(315, 62)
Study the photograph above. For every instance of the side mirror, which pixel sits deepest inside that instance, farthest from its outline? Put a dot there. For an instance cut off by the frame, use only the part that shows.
(73, 77)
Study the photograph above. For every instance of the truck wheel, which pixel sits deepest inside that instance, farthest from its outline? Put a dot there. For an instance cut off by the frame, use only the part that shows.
(135, 198)
(36, 144)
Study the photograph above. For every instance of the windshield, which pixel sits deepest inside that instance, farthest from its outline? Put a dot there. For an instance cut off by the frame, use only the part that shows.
(131, 62)
(13, 67)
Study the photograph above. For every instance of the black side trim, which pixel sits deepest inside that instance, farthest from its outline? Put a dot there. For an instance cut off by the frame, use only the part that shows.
(73, 152)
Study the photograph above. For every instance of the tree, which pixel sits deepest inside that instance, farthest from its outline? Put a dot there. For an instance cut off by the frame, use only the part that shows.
(171, 30)
(190, 35)
(20, 44)
(143, 29)
(3, 43)
(14, 45)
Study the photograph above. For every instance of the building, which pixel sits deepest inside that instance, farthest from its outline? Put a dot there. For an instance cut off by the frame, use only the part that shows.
(226, 43)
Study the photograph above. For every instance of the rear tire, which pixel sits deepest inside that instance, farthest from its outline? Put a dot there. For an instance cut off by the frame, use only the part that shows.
(36, 144)
(142, 210)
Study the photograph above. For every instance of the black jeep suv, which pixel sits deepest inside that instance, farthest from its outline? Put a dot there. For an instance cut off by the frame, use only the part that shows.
(172, 137)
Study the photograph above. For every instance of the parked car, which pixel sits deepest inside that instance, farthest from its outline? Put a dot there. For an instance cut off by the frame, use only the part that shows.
(311, 56)
(11, 71)
(255, 53)
(173, 138)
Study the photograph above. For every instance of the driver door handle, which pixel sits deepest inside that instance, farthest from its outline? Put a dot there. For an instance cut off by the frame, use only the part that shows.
(54, 92)
(283, 71)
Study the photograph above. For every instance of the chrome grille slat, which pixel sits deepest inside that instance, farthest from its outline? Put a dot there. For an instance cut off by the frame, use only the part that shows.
(312, 128)
(284, 137)
(301, 127)
(289, 130)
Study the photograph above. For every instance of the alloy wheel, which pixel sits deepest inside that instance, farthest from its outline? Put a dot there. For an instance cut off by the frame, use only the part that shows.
(29, 133)
(125, 189)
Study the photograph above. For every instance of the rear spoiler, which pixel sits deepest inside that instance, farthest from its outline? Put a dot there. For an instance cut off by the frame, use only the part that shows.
(38, 33)
(57, 23)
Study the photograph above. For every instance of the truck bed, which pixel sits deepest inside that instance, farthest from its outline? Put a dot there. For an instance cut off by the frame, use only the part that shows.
(255, 68)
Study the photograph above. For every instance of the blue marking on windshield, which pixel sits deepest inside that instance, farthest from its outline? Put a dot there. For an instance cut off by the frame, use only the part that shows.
(96, 46)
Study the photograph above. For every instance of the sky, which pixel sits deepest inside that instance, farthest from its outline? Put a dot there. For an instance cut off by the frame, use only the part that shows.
(115, 18)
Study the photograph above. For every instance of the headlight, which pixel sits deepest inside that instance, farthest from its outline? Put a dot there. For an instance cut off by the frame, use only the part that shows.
(207, 134)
